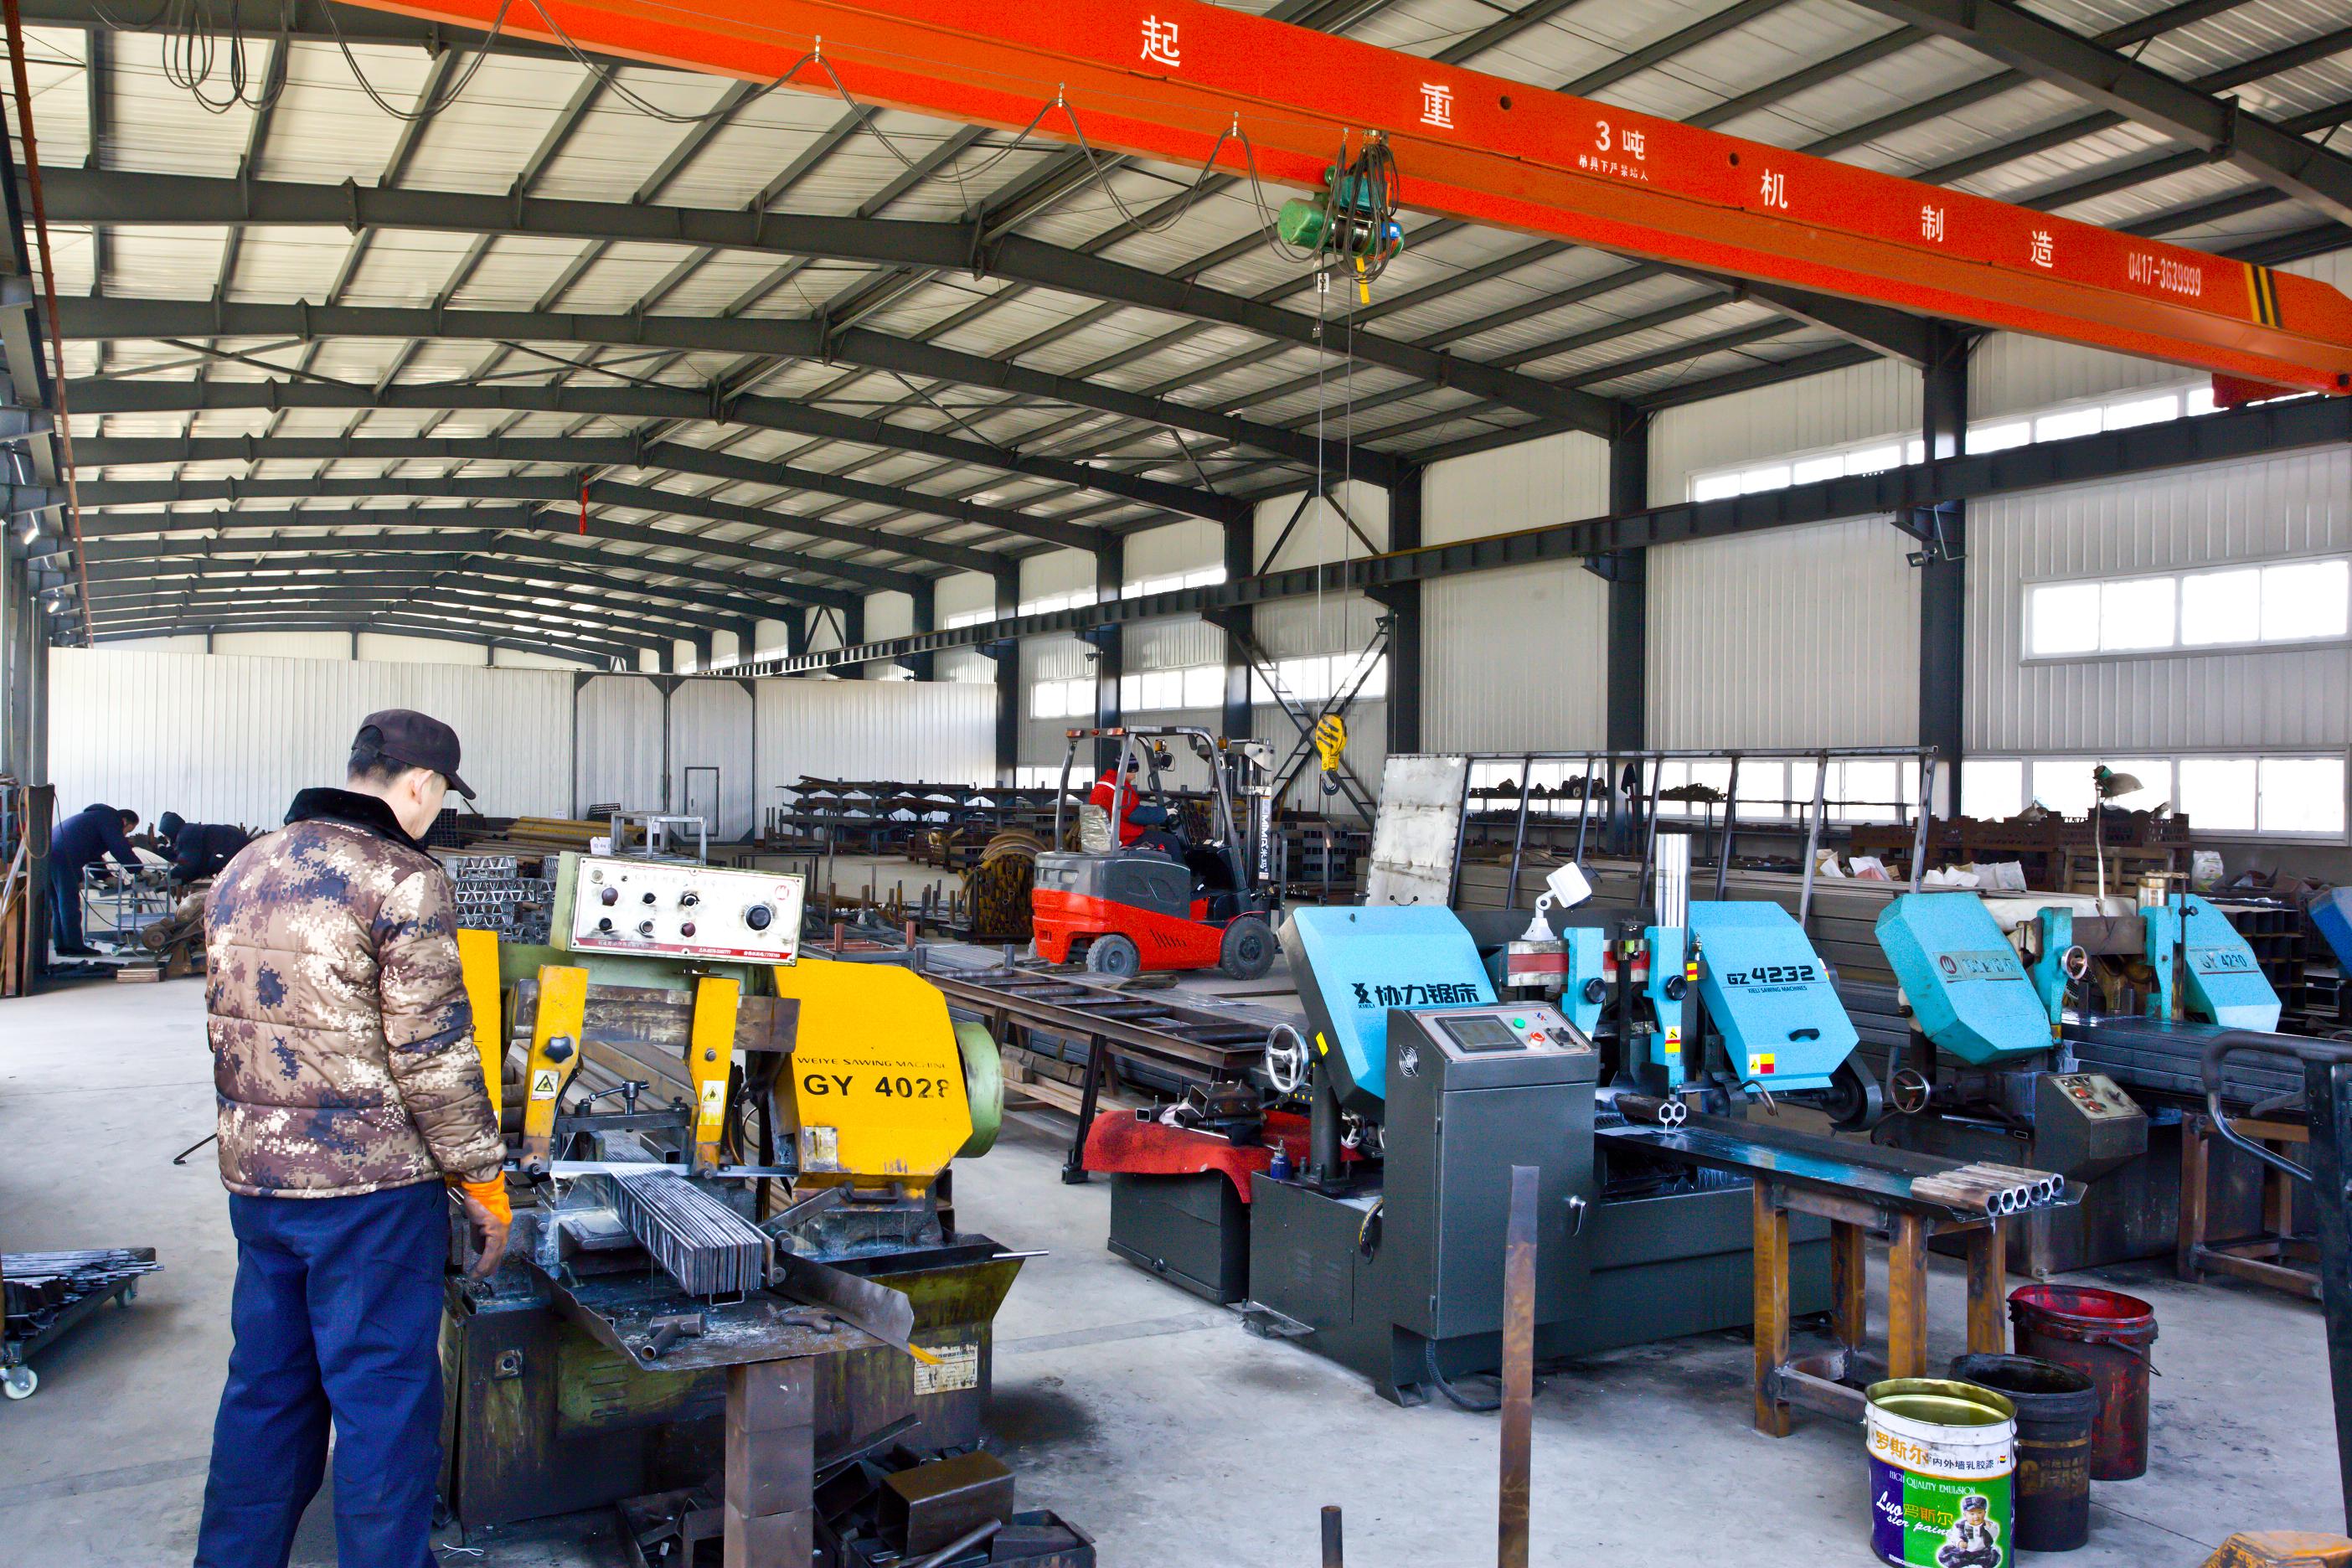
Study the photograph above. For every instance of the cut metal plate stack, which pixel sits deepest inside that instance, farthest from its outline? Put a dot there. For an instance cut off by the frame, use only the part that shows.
(706, 1246)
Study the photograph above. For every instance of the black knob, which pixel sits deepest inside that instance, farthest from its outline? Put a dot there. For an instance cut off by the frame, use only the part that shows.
(758, 916)
(1676, 988)
(1596, 990)
(605, 923)
(609, 896)
(558, 1050)
(650, 898)
(688, 898)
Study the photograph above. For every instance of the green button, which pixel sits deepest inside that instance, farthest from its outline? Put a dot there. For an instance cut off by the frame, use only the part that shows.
(1518, 1022)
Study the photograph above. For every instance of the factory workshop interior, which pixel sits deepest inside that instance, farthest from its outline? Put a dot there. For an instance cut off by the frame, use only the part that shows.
(763, 765)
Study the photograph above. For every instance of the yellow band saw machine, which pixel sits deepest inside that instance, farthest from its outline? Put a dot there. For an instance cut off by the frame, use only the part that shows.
(735, 1301)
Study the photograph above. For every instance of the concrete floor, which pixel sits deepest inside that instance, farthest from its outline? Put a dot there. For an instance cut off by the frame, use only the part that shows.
(1139, 1412)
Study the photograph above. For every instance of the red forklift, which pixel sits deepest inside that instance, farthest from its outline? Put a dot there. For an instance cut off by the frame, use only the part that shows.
(1165, 879)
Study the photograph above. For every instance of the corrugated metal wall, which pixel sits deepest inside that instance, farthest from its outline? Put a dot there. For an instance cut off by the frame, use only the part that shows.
(620, 729)
(937, 730)
(230, 738)
(2280, 506)
(1799, 636)
(1879, 398)
(1514, 658)
(710, 725)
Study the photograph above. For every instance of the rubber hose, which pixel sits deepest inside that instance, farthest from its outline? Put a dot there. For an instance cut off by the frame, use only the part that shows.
(1460, 1400)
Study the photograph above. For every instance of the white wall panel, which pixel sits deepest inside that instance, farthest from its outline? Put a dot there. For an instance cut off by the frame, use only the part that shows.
(231, 738)
(960, 592)
(888, 615)
(1057, 572)
(1177, 644)
(710, 727)
(1797, 636)
(620, 729)
(387, 649)
(285, 644)
(2281, 506)
(1180, 547)
(1556, 479)
(1516, 657)
(2012, 373)
(1320, 534)
(1880, 399)
(934, 731)
(1516, 660)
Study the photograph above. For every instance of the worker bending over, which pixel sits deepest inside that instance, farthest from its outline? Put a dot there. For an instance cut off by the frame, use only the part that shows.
(350, 1091)
(199, 849)
(85, 838)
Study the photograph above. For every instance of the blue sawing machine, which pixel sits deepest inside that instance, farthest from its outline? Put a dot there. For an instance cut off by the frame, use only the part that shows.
(2071, 1045)
(1427, 1086)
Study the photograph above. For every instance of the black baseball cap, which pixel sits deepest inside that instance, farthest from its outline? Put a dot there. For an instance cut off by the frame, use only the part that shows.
(417, 738)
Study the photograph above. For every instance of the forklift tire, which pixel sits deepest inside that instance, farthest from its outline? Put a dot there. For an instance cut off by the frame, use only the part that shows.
(1248, 949)
(1114, 955)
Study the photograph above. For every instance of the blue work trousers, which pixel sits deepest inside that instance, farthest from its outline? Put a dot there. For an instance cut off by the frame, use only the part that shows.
(337, 1315)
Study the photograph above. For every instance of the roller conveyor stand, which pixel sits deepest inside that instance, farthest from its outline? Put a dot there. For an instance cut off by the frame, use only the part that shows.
(1863, 1191)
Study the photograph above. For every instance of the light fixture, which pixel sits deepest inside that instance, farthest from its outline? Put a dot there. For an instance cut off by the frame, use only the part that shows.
(2107, 785)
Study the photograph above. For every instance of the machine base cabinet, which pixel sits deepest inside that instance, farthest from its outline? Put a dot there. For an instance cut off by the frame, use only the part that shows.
(1192, 1231)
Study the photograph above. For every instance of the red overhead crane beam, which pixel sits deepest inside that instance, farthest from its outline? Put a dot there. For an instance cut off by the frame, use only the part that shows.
(1165, 79)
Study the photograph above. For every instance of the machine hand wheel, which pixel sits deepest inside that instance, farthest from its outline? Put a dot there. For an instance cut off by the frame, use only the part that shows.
(1286, 1065)
(1854, 1102)
(1908, 1092)
(2076, 963)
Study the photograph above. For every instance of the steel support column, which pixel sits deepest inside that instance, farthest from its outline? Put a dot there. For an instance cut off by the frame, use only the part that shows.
(1007, 655)
(926, 595)
(1110, 644)
(1628, 593)
(1241, 561)
(1943, 572)
(1403, 603)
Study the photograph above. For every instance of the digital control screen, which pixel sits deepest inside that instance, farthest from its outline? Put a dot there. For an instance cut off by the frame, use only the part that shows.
(1480, 1033)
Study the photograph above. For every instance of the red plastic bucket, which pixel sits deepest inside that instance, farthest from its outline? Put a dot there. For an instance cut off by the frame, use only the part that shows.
(2105, 1335)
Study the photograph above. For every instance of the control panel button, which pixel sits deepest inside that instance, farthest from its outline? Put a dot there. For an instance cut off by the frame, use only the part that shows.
(758, 917)
(688, 898)
(686, 928)
(609, 896)
(644, 928)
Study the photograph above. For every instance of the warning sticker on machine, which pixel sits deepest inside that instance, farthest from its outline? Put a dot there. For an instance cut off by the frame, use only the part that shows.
(543, 1082)
(958, 1369)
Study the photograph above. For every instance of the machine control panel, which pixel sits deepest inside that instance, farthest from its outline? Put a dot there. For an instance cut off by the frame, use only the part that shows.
(681, 911)
(1487, 1031)
(2095, 1097)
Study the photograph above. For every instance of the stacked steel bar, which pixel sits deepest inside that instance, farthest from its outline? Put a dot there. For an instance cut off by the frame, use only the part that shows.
(40, 1283)
(706, 1246)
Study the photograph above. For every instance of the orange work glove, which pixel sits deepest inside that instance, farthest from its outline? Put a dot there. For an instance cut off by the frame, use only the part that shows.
(491, 1194)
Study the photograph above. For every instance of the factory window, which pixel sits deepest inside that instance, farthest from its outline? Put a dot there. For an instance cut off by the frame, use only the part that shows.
(1062, 699)
(1876, 456)
(1318, 678)
(1205, 577)
(2292, 797)
(1076, 598)
(2280, 604)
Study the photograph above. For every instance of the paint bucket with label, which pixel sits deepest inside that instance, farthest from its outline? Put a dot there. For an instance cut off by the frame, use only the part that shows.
(1940, 1458)
(2056, 1406)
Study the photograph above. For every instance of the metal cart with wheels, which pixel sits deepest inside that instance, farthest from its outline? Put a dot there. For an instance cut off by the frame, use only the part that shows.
(48, 1293)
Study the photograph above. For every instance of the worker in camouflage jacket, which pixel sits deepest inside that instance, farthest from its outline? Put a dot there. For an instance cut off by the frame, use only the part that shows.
(350, 1097)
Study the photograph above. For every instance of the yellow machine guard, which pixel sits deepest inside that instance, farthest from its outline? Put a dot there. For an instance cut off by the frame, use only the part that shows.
(877, 1081)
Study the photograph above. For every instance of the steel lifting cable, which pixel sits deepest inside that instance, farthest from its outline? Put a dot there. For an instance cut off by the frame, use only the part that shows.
(15, 23)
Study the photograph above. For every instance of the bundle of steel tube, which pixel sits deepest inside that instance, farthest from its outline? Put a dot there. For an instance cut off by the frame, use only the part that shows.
(1652, 1111)
(706, 1246)
(1995, 1190)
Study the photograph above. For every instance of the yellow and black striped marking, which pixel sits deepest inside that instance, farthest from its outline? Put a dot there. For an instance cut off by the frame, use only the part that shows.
(2261, 291)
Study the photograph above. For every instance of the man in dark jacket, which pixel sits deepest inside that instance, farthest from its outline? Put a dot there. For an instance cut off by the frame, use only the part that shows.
(349, 1092)
(85, 838)
(199, 849)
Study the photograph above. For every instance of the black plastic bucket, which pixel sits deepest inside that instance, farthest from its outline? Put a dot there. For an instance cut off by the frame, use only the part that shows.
(2056, 1406)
